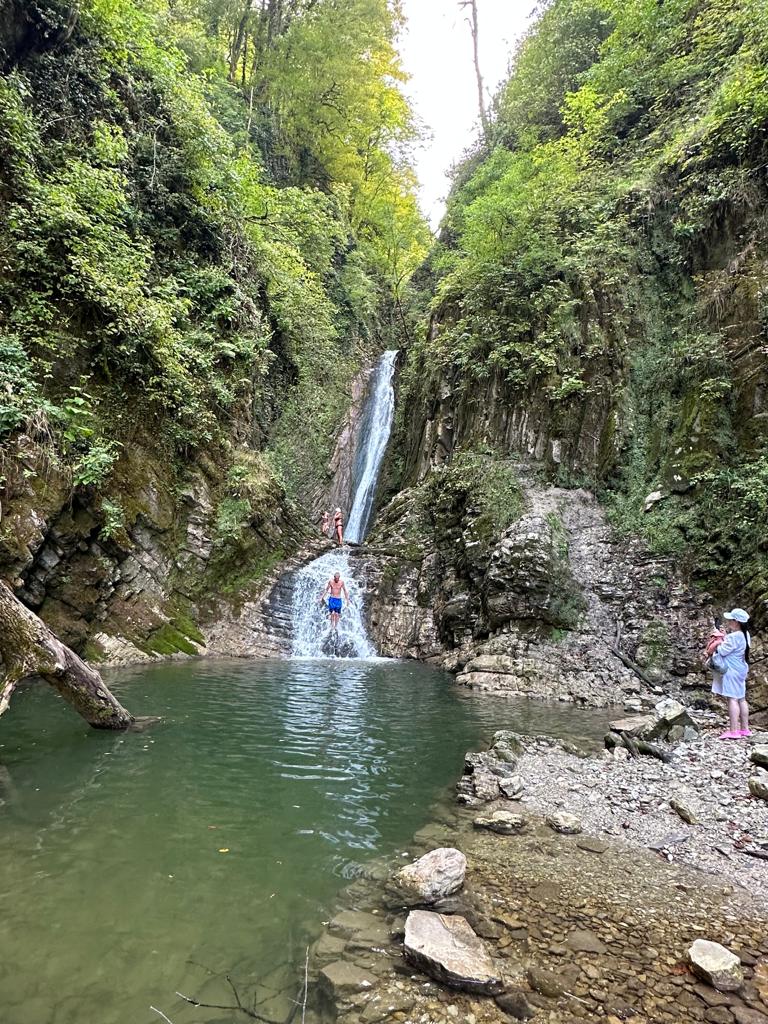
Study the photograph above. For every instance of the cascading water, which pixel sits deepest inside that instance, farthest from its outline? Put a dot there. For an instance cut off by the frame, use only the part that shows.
(313, 636)
(312, 633)
(375, 428)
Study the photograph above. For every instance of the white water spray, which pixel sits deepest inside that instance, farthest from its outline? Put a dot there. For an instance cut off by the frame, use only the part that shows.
(375, 428)
(313, 636)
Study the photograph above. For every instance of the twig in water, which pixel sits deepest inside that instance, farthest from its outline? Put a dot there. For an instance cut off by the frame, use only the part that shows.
(306, 976)
(217, 1006)
(161, 1014)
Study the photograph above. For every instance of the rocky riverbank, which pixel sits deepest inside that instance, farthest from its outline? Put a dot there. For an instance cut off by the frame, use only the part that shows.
(583, 895)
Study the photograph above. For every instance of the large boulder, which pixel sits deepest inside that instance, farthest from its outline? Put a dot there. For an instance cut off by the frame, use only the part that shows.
(448, 950)
(759, 755)
(716, 965)
(669, 722)
(567, 824)
(506, 823)
(432, 877)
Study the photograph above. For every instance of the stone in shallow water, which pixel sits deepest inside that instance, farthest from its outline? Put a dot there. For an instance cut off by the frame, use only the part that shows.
(716, 965)
(563, 822)
(448, 950)
(504, 822)
(592, 845)
(341, 979)
(437, 874)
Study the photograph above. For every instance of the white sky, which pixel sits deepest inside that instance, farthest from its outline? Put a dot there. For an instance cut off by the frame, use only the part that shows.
(437, 53)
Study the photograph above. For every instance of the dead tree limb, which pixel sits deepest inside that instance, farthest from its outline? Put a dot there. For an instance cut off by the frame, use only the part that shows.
(28, 647)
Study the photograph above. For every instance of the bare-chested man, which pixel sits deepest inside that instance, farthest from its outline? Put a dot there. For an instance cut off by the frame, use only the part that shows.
(338, 523)
(325, 523)
(335, 587)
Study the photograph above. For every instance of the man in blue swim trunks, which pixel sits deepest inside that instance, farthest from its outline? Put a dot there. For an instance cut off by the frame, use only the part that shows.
(335, 587)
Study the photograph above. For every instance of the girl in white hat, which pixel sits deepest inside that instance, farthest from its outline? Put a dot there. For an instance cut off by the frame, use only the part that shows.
(730, 662)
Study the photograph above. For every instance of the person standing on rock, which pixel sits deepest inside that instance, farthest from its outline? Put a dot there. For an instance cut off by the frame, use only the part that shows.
(730, 663)
(335, 587)
(325, 523)
(338, 526)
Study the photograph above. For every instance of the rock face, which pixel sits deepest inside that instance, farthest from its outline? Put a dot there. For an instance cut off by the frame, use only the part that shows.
(716, 965)
(532, 611)
(448, 950)
(432, 877)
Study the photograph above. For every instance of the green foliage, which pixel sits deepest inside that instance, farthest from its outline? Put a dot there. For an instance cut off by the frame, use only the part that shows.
(476, 488)
(602, 257)
(184, 244)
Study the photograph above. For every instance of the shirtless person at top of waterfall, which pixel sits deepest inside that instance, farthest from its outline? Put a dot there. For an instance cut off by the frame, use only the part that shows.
(335, 587)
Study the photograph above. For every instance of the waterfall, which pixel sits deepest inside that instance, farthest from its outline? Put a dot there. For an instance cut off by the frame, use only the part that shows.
(313, 636)
(375, 426)
(312, 633)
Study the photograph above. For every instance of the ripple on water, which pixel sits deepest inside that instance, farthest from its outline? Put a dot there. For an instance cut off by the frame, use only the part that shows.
(113, 880)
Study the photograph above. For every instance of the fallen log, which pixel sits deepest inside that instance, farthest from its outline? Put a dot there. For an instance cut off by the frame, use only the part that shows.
(28, 647)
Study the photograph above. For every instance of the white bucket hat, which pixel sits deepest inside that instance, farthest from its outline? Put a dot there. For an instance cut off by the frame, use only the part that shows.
(738, 615)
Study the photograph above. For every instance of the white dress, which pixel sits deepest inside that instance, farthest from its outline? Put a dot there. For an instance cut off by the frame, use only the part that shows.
(731, 668)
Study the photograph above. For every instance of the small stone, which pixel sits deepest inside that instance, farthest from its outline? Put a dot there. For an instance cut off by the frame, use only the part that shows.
(591, 844)
(718, 1015)
(716, 965)
(744, 1015)
(547, 983)
(684, 810)
(561, 821)
(504, 822)
(514, 1003)
(584, 941)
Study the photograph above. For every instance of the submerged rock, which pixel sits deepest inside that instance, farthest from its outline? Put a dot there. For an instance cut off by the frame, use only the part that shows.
(341, 979)
(437, 874)
(515, 1004)
(716, 965)
(546, 982)
(448, 950)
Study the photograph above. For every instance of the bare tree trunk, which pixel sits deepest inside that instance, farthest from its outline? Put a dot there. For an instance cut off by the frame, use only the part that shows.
(28, 648)
(475, 29)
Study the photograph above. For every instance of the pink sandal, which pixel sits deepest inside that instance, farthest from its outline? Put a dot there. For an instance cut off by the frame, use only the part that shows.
(746, 732)
(730, 735)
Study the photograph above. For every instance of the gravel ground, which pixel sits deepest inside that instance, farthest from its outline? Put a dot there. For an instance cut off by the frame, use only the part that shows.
(629, 799)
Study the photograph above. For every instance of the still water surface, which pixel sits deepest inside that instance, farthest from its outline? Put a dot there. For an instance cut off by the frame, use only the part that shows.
(113, 887)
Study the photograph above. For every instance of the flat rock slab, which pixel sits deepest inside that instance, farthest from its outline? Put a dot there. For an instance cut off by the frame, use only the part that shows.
(584, 941)
(432, 877)
(449, 951)
(350, 922)
(342, 979)
(506, 823)
(591, 844)
(716, 965)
